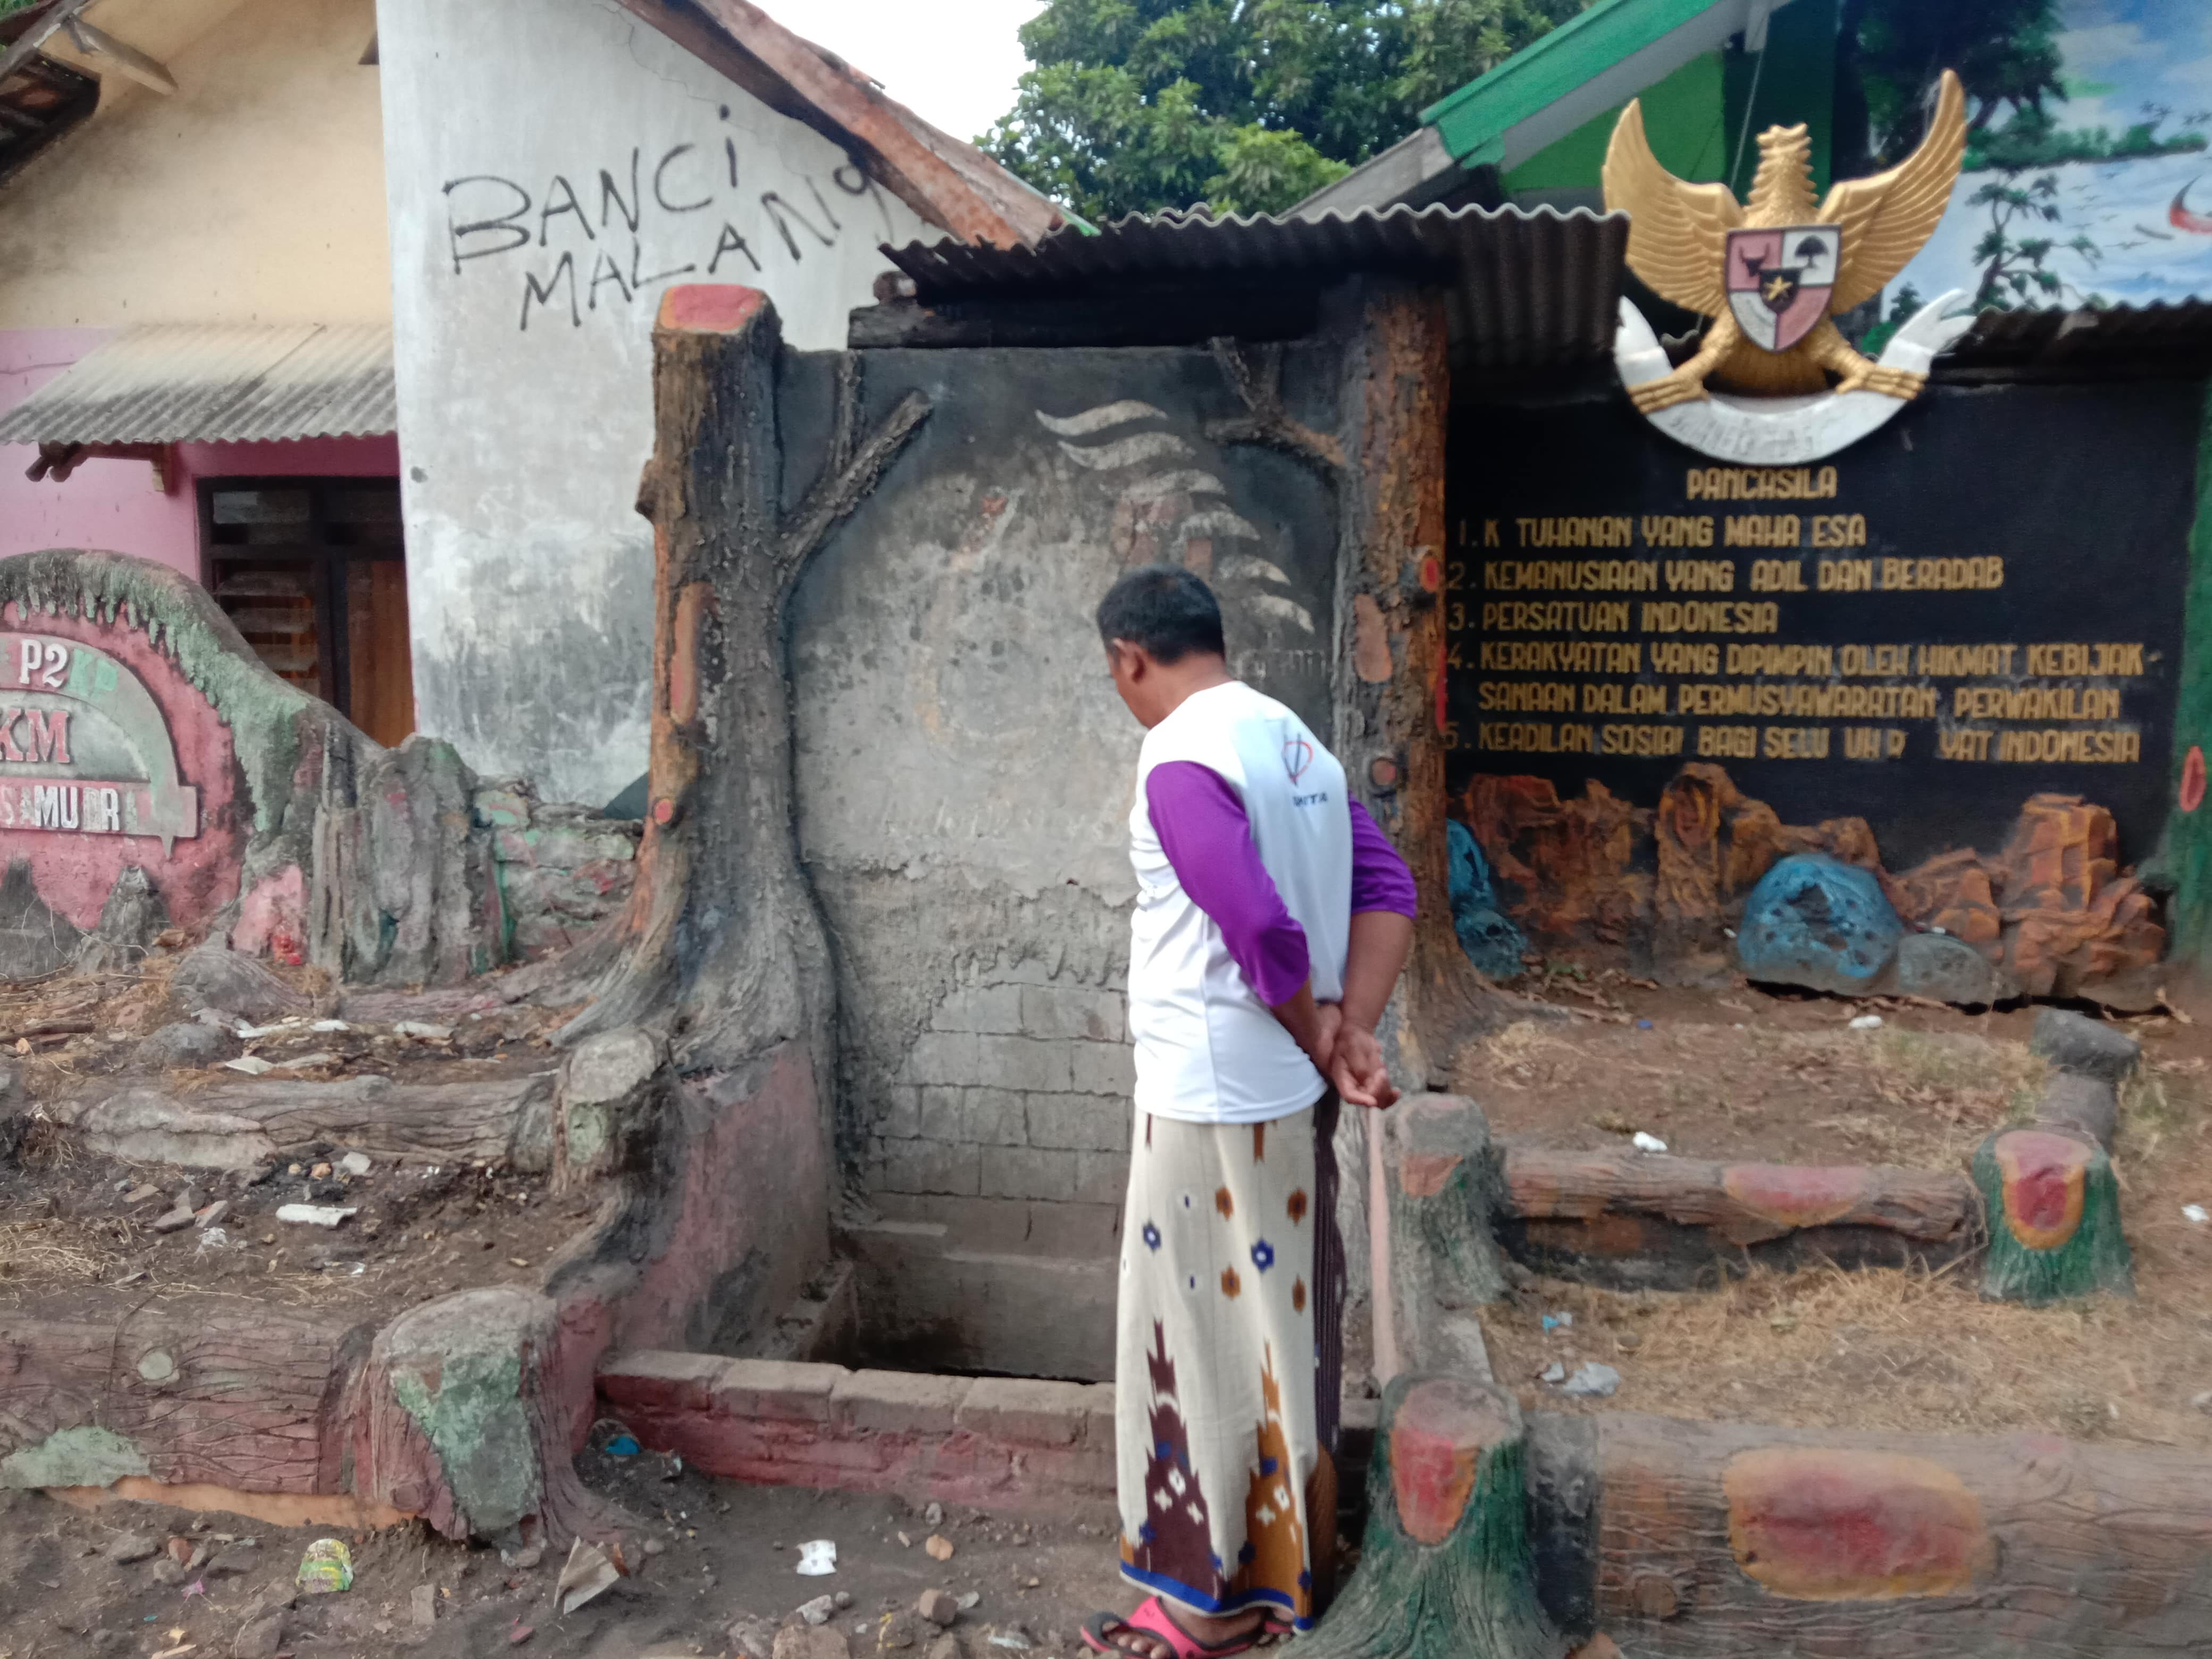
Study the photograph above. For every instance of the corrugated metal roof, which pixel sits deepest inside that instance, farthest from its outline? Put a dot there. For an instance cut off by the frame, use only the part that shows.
(2002, 338)
(1524, 288)
(191, 383)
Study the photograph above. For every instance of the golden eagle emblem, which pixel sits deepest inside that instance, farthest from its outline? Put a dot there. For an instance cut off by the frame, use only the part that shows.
(1771, 274)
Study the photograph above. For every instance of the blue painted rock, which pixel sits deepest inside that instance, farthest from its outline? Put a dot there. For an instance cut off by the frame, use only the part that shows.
(1816, 921)
(1493, 944)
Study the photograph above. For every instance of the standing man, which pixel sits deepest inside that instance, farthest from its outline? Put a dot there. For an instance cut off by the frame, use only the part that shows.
(1272, 920)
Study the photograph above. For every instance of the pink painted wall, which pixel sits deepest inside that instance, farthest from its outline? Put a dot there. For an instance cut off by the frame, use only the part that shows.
(113, 505)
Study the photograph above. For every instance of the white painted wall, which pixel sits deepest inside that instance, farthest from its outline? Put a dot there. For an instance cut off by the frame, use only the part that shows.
(523, 304)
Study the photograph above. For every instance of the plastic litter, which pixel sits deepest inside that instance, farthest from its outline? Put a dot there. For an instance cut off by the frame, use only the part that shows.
(2196, 1212)
(624, 1445)
(1867, 1023)
(329, 1025)
(415, 1028)
(1592, 1381)
(1642, 1025)
(252, 1065)
(817, 1558)
(327, 1568)
(1559, 1321)
(1554, 1372)
(969, 1599)
(589, 1572)
(315, 1215)
(356, 1163)
(1647, 1143)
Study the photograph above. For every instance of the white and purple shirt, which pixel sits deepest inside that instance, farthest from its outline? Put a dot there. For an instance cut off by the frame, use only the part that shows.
(1251, 859)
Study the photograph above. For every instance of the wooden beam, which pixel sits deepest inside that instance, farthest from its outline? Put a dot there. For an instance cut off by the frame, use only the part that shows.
(27, 43)
(976, 202)
(98, 43)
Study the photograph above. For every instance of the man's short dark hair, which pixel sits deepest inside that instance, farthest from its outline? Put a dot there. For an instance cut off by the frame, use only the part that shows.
(1165, 608)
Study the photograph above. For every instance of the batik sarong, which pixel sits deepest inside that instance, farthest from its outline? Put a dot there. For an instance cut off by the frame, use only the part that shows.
(1230, 1357)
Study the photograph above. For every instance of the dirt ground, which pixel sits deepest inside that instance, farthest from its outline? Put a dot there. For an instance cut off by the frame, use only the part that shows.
(721, 1552)
(1740, 1074)
(72, 1221)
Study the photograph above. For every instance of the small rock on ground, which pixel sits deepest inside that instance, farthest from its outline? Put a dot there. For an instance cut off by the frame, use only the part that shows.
(187, 1043)
(750, 1636)
(133, 1546)
(2074, 1042)
(938, 1606)
(811, 1642)
(261, 1638)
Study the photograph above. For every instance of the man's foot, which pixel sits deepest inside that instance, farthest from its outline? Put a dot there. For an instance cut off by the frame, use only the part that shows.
(1152, 1632)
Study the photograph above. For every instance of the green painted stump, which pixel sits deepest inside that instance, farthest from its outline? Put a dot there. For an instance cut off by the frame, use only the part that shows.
(2054, 1218)
(1445, 1572)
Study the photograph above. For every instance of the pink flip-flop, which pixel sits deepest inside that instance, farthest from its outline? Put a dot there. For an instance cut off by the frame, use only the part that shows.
(1154, 1620)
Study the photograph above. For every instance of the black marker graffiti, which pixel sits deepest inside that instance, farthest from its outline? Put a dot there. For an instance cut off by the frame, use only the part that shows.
(489, 214)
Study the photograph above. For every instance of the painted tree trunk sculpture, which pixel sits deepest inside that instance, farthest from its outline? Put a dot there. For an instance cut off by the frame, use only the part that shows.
(721, 1155)
(1446, 1572)
(723, 925)
(2054, 1217)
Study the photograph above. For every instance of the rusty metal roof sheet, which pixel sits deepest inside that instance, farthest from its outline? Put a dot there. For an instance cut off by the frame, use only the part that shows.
(1522, 288)
(193, 384)
(2047, 338)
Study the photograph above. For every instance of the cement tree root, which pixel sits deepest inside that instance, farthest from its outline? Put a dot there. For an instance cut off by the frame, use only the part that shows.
(1446, 1572)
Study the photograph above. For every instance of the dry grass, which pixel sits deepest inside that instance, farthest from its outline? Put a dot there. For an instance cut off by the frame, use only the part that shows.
(1904, 1351)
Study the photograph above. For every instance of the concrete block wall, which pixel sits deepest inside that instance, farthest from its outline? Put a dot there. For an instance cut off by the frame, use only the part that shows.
(1008, 1121)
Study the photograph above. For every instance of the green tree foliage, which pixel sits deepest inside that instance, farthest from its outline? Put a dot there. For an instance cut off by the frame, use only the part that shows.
(2005, 51)
(1132, 106)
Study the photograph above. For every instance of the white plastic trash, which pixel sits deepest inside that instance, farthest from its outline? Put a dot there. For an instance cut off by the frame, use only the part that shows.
(1867, 1023)
(314, 1215)
(818, 1559)
(1647, 1143)
(2196, 1212)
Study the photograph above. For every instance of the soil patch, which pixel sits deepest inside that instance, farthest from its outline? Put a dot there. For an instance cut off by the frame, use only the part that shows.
(1741, 1075)
(720, 1550)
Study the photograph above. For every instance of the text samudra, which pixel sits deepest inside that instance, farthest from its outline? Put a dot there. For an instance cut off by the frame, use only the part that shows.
(66, 707)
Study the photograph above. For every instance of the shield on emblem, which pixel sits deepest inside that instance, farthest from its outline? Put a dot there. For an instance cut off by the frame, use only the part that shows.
(1779, 279)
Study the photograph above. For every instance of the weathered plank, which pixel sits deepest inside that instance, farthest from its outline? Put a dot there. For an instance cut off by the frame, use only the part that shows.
(201, 1389)
(237, 1125)
(1727, 1541)
(1633, 1218)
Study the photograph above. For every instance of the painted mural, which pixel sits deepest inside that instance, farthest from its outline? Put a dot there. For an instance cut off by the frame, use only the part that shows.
(2088, 179)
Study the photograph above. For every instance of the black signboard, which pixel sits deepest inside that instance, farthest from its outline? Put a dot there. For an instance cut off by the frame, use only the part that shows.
(1982, 601)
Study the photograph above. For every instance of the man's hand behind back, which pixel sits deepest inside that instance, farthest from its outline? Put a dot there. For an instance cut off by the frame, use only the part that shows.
(1357, 1068)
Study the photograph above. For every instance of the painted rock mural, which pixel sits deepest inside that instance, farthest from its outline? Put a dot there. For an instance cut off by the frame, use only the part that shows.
(154, 774)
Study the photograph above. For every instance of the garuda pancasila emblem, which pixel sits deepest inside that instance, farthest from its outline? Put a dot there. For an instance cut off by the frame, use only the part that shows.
(1772, 273)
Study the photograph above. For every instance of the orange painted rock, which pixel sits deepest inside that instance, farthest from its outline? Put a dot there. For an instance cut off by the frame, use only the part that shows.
(1819, 1524)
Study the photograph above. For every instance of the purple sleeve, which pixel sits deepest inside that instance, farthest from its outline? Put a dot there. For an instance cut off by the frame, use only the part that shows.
(1380, 879)
(1203, 829)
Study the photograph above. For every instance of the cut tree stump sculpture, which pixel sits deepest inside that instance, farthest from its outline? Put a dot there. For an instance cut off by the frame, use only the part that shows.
(2054, 1217)
(721, 1157)
(1446, 1572)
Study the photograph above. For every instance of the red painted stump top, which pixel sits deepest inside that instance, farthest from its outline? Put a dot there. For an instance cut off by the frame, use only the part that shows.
(1437, 1437)
(2046, 1178)
(1798, 1195)
(708, 307)
(1819, 1524)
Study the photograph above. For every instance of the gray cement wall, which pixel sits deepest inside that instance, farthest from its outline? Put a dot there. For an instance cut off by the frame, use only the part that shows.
(522, 138)
(966, 773)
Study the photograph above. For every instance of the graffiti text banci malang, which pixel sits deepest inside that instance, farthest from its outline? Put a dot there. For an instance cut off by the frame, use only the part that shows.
(64, 705)
(587, 247)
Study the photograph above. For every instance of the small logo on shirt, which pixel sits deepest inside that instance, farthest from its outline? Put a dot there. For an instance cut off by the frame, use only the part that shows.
(1298, 755)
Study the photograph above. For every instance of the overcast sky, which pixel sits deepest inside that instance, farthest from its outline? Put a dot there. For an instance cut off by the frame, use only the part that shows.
(952, 62)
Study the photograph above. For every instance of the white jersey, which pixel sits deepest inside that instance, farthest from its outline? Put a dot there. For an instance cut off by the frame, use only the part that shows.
(1207, 1049)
